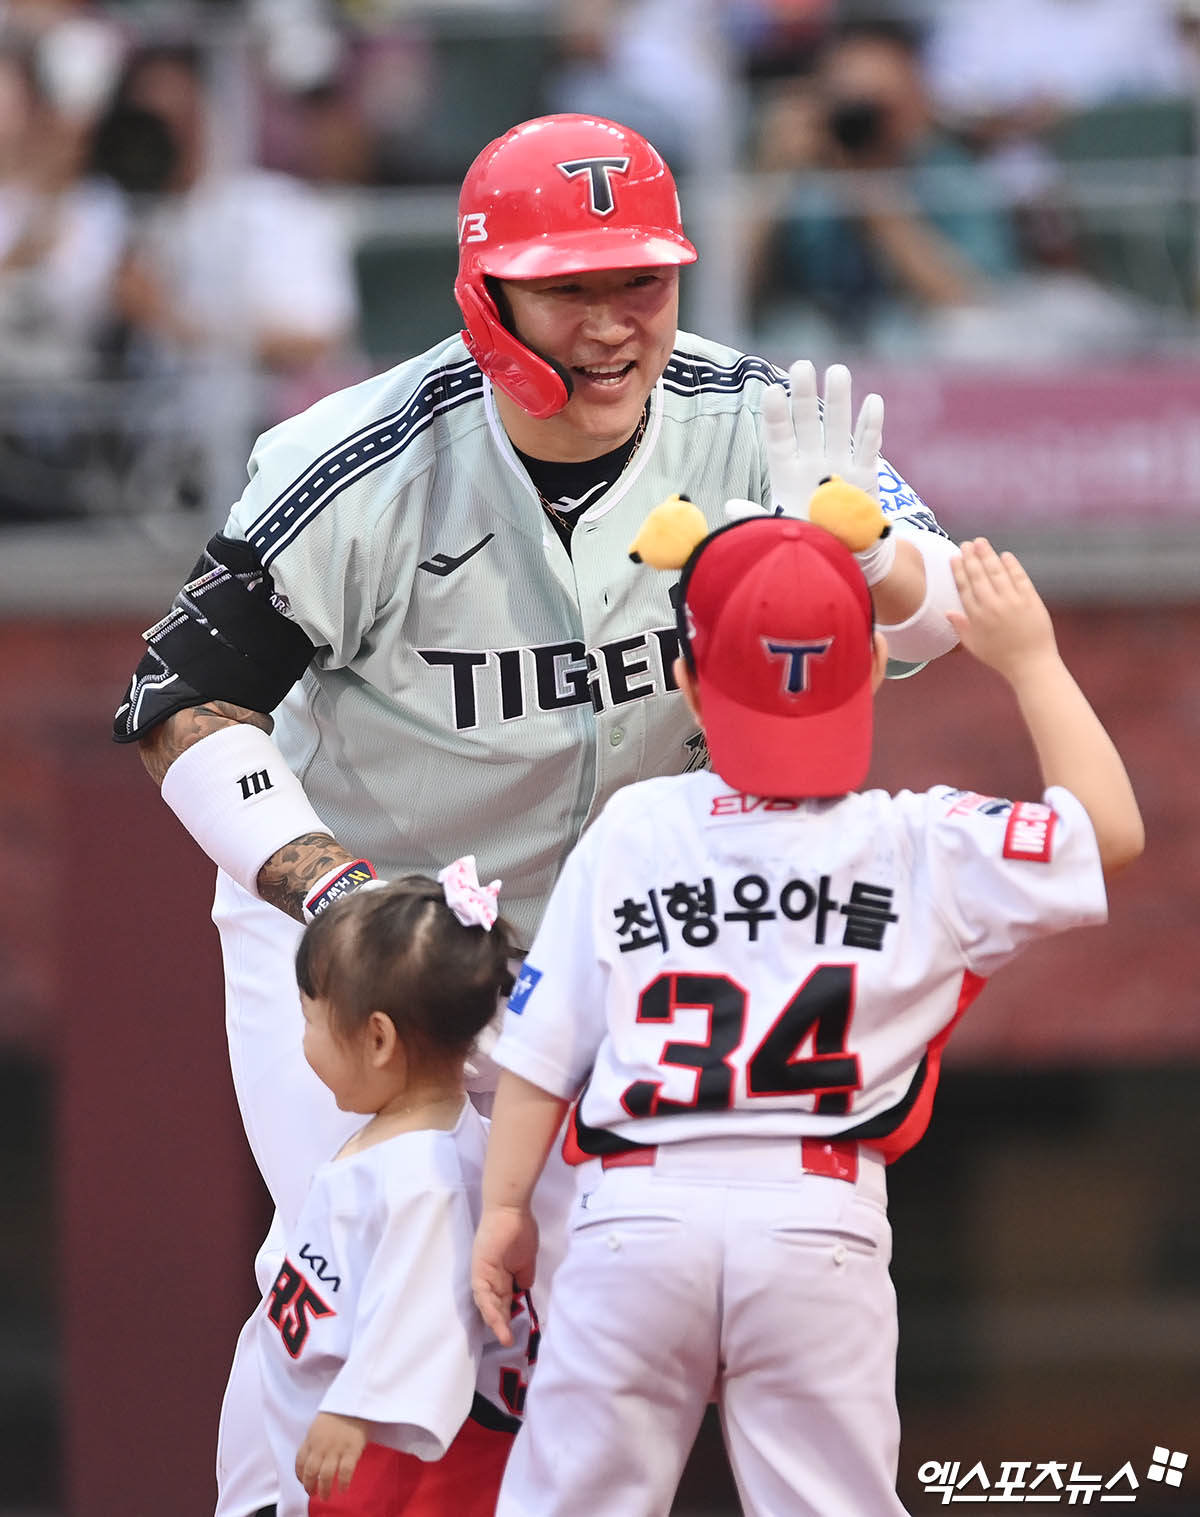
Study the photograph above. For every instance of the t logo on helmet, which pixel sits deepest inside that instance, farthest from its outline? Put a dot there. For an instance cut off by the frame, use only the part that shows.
(597, 170)
(542, 223)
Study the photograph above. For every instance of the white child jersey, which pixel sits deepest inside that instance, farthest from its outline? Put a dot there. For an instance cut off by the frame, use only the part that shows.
(476, 688)
(371, 1314)
(716, 964)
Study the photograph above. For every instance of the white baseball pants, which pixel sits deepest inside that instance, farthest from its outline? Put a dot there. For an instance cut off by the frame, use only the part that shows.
(723, 1264)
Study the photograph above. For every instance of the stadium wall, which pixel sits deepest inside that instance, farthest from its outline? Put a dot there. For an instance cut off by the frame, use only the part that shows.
(111, 980)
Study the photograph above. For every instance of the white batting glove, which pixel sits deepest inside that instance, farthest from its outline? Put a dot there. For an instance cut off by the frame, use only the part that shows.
(803, 448)
(806, 444)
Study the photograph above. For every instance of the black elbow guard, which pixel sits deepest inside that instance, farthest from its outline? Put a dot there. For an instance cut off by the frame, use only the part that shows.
(223, 639)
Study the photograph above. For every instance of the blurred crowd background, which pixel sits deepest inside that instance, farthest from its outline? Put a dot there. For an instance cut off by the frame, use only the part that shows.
(213, 213)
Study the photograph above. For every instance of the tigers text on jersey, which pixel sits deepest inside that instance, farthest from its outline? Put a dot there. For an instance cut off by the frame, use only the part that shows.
(712, 963)
(371, 1314)
(476, 688)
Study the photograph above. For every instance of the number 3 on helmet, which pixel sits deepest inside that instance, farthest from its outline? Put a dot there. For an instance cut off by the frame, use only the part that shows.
(557, 195)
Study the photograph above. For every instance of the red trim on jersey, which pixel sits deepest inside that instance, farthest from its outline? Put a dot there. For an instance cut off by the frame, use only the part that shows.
(571, 1150)
(465, 1482)
(912, 1129)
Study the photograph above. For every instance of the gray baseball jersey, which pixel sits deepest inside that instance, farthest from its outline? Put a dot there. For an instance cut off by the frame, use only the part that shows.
(477, 689)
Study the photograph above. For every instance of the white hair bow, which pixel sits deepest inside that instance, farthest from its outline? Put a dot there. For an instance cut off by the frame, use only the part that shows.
(472, 903)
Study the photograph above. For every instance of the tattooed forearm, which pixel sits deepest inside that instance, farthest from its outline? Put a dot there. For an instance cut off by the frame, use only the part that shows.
(284, 880)
(163, 744)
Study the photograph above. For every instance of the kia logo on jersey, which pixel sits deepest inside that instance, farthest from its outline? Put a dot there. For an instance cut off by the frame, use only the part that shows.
(599, 184)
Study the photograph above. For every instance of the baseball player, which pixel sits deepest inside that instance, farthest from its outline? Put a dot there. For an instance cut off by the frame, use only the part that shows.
(382, 1396)
(419, 636)
(746, 978)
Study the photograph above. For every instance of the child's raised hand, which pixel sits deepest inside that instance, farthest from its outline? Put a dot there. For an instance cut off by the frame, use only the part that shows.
(505, 1251)
(330, 1451)
(1004, 622)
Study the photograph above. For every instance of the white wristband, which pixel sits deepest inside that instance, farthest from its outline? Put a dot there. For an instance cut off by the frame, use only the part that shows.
(239, 800)
(341, 880)
(877, 560)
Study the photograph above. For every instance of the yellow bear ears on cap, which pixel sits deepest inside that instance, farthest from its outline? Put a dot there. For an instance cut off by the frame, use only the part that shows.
(853, 516)
(675, 526)
(668, 535)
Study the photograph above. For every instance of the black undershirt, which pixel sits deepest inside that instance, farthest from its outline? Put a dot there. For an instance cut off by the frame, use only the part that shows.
(572, 487)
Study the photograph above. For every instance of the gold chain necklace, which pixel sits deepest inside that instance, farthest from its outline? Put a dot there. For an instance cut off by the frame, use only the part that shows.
(558, 516)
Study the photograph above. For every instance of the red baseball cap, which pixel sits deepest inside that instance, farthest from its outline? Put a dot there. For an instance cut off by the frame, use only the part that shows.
(776, 623)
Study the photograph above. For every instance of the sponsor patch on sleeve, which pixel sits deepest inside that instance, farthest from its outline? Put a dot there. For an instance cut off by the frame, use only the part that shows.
(1030, 832)
(523, 988)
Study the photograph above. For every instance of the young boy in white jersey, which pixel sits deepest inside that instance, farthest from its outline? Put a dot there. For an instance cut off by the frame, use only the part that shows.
(745, 979)
(383, 1395)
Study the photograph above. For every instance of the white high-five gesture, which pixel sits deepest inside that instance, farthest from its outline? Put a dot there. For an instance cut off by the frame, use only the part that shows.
(803, 448)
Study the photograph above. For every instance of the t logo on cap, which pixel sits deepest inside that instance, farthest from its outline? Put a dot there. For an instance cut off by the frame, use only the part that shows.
(777, 627)
(795, 680)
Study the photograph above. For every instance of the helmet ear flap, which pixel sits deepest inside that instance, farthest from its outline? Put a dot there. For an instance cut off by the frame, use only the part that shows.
(534, 383)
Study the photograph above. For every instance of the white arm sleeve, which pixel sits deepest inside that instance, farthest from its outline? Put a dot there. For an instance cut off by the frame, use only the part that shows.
(926, 633)
(239, 800)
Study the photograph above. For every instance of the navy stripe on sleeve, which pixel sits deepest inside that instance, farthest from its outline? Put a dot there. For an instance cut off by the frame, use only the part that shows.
(692, 374)
(355, 456)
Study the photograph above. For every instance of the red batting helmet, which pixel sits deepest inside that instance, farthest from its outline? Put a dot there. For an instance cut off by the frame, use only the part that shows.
(557, 195)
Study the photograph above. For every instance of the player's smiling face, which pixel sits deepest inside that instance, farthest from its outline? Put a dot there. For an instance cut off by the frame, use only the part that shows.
(337, 1060)
(613, 332)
